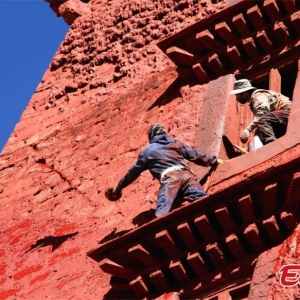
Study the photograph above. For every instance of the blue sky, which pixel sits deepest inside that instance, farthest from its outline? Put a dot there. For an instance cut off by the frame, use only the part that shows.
(30, 34)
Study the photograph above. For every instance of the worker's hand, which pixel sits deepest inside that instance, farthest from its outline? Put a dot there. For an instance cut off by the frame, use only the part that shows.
(245, 135)
(220, 161)
(114, 193)
(117, 190)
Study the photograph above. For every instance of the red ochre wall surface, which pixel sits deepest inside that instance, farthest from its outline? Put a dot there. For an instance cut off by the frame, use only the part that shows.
(82, 129)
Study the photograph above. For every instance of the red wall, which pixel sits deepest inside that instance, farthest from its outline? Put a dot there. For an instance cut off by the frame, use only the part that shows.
(82, 130)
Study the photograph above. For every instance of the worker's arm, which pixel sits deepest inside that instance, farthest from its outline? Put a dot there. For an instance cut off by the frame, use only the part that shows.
(133, 173)
(202, 159)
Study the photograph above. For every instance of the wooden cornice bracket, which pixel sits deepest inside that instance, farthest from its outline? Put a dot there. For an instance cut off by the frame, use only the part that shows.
(272, 10)
(240, 25)
(207, 39)
(200, 73)
(223, 30)
(180, 56)
(256, 18)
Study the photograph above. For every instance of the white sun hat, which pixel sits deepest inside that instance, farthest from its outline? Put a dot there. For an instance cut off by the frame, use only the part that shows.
(241, 86)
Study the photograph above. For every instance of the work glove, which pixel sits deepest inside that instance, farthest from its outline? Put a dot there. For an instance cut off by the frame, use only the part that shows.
(220, 161)
(245, 135)
(117, 189)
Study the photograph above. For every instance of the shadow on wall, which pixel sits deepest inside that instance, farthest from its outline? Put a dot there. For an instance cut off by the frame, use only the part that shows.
(54, 241)
(113, 235)
(171, 93)
(144, 217)
(139, 220)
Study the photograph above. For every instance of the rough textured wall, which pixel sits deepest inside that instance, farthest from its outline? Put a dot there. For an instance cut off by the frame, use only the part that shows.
(266, 278)
(81, 131)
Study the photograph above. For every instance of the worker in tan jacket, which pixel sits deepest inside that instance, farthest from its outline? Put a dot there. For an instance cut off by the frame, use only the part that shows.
(270, 109)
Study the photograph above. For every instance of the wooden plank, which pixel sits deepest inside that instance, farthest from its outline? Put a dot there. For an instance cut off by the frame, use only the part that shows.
(275, 80)
(186, 234)
(112, 268)
(140, 253)
(245, 204)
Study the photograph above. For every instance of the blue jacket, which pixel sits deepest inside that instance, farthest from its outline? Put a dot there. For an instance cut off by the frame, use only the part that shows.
(161, 153)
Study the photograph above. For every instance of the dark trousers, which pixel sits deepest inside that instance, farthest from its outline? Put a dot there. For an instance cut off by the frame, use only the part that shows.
(181, 183)
(272, 125)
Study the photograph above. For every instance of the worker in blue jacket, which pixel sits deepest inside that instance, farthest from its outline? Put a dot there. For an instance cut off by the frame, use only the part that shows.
(165, 159)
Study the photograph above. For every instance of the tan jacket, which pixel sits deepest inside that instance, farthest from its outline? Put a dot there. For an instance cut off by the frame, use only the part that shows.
(264, 101)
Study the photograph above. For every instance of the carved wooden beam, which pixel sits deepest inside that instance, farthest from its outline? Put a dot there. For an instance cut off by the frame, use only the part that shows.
(256, 18)
(200, 73)
(180, 56)
(282, 32)
(207, 39)
(112, 268)
(241, 26)
(235, 56)
(263, 40)
(223, 30)
(290, 6)
(272, 10)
